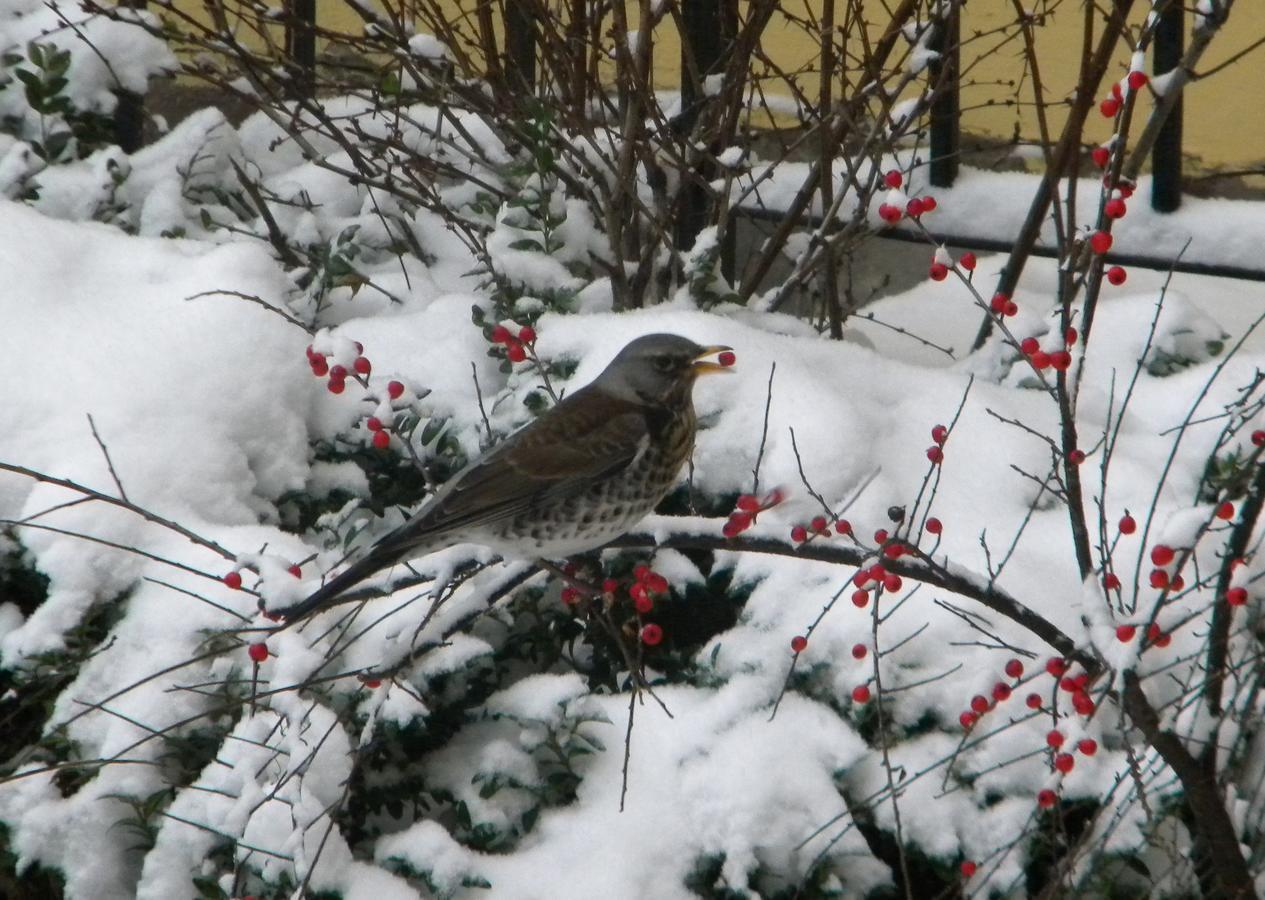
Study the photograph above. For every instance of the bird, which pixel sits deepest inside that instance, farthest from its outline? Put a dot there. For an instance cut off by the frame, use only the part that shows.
(581, 474)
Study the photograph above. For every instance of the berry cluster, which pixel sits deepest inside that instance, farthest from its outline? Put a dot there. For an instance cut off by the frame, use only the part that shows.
(1002, 305)
(942, 263)
(647, 584)
(935, 453)
(749, 506)
(897, 205)
(1059, 360)
(1000, 693)
(517, 346)
(338, 359)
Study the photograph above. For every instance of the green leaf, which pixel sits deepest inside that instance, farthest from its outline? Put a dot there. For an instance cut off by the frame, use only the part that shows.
(527, 244)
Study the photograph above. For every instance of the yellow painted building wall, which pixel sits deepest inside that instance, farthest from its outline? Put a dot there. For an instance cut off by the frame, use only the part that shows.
(1224, 113)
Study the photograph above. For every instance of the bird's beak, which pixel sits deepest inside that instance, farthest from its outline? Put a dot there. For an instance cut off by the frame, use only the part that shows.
(704, 366)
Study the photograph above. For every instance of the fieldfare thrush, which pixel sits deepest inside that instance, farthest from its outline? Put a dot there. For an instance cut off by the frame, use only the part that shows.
(577, 477)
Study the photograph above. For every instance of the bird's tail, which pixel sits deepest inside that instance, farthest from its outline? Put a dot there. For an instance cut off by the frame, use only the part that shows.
(382, 555)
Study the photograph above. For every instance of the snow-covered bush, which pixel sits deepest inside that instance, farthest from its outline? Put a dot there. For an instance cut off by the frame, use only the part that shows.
(920, 619)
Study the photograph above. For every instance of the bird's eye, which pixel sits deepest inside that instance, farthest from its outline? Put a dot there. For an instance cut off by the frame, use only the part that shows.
(664, 363)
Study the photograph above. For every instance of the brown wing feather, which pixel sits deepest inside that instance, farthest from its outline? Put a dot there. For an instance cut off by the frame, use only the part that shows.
(584, 437)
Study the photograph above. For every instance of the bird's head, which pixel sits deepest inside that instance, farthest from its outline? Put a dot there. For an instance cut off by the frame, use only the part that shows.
(659, 369)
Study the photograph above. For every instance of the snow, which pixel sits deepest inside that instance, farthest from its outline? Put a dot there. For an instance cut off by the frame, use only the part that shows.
(186, 353)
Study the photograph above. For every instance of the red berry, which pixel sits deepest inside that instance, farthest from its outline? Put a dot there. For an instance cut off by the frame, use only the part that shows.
(1083, 703)
(979, 703)
(570, 595)
(1115, 208)
(1116, 93)
(967, 719)
(1033, 701)
(748, 503)
(1101, 242)
(373, 423)
(373, 682)
(935, 454)
(1109, 107)
(338, 373)
(1111, 582)
(1014, 668)
(736, 524)
(1128, 524)
(1064, 762)
(820, 524)
(998, 303)
(1225, 510)
(381, 440)
(934, 526)
(1001, 692)
(501, 334)
(726, 358)
(1076, 457)
(527, 334)
(1159, 579)
(1101, 156)
(1137, 80)
(1056, 666)
(968, 869)
(336, 385)
(1126, 633)
(1040, 360)
(889, 213)
(395, 389)
(877, 572)
(862, 577)
(233, 580)
(880, 536)
(362, 365)
(641, 601)
(515, 352)
(859, 651)
(1055, 738)
(843, 526)
(860, 599)
(928, 203)
(1012, 308)
(1177, 583)
(894, 551)
(1162, 554)
(798, 643)
(1061, 360)
(1087, 746)
(860, 694)
(1117, 275)
(1236, 596)
(295, 571)
(1029, 346)
(610, 586)
(657, 583)
(1046, 798)
(799, 534)
(1258, 438)
(320, 368)
(967, 261)
(893, 179)
(639, 594)
(651, 634)
(1155, 635)
(914, 208)
(938, 271)
(939, 434)
(258, 652)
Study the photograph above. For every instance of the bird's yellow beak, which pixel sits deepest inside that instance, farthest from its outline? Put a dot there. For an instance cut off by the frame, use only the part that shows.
(704, 366)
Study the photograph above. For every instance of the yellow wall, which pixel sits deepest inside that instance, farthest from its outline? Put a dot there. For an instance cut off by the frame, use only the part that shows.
(1224, 118)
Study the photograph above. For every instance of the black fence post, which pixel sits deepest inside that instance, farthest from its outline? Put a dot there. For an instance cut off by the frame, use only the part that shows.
(520, 45)
(129, 114)
(1166, 155)
(301, 45)
(709, 26)
(946, 132)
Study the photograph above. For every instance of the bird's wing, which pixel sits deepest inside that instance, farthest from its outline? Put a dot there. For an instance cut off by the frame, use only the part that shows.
(587, 436)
